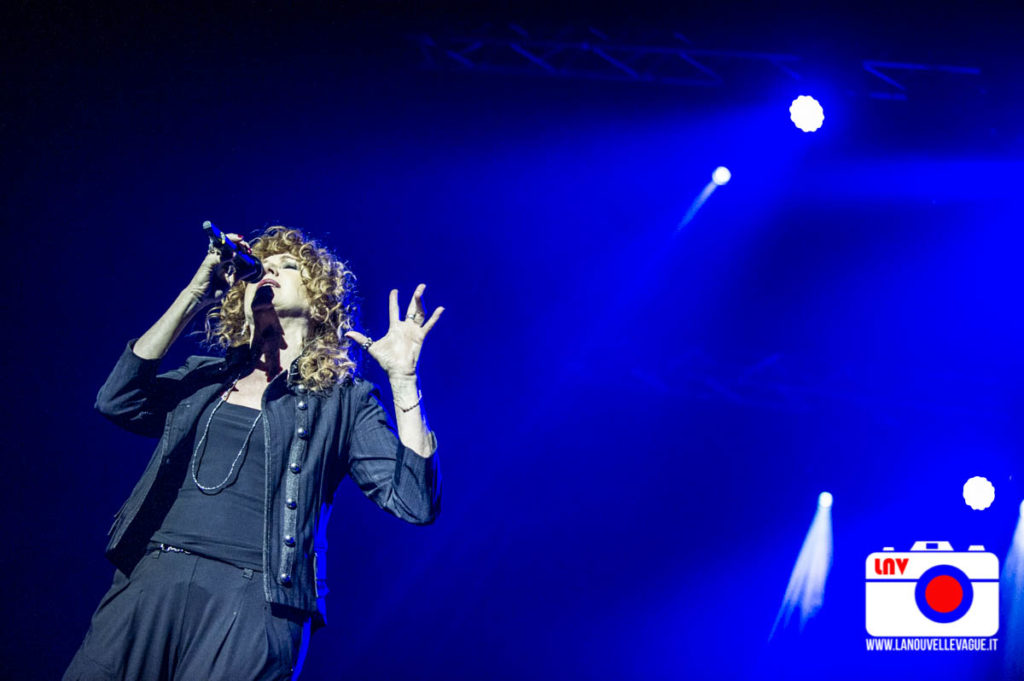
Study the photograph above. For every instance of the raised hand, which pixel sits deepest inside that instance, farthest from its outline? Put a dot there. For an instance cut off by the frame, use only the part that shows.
(399, 350)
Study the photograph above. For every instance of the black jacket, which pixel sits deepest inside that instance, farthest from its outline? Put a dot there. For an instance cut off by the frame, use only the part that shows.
(313, 439)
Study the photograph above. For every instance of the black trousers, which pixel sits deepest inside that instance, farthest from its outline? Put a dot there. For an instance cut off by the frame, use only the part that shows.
(183, 617)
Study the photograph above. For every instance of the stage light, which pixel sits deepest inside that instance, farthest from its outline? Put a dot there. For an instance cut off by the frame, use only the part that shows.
(979, 493)
(1012, 589)
(805, 593)
(806, 113)
(718, 178)
(721, 176)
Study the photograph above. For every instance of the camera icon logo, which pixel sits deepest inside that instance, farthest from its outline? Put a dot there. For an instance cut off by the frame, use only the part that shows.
(932, 590)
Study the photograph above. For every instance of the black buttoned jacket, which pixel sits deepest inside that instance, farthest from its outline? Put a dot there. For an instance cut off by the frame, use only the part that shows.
(313, 439)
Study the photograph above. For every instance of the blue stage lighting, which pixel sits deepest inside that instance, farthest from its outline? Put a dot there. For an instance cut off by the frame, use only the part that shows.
(718, 178)
(721, 176)
(979, 493)
(806, 113)
(805, 592)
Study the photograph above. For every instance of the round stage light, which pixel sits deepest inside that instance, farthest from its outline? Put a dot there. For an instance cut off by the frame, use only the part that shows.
(806, 113)
(721, 176)
(825, 500)
(979, 493)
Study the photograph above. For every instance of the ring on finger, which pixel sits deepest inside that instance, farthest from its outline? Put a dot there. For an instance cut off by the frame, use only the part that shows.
(367, 343)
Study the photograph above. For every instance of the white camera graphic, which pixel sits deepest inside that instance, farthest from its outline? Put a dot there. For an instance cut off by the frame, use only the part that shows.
(932, 590)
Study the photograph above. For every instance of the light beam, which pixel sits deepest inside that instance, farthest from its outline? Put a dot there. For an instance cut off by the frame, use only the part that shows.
(806, 589)
(720, 177)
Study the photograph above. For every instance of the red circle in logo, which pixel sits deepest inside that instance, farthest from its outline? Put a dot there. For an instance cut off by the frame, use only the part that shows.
(944, 593)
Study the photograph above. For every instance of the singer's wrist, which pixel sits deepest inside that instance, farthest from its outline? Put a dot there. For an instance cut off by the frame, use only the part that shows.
(193, 302)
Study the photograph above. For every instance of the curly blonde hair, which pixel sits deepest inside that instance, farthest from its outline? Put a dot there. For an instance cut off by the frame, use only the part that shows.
(330, 288)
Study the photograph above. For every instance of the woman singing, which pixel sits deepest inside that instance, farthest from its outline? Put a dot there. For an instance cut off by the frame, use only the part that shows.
(221, 548)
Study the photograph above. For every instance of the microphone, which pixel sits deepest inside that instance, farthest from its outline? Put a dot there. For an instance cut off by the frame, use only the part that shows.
(247, 267)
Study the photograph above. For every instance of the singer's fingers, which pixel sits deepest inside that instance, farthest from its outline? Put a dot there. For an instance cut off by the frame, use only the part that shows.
(216, 257)
(226, 271)
(237, 238)
(393, 306)
(416, 304)
(356, 336)
(433, 320)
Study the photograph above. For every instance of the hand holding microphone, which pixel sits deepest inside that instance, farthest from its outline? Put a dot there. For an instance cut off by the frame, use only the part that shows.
(247, 267)
(228, 259)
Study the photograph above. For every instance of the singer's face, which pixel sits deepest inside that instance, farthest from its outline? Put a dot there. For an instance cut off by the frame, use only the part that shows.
(283, 275)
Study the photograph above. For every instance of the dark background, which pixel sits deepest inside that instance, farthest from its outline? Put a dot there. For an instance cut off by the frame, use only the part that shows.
(634, 423)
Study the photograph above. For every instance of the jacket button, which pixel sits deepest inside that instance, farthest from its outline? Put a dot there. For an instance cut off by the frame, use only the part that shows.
(290, 503)
(289, 540)
(285, 579)
(294, 467)
(301, 405)
(300, 388)
(302, 432)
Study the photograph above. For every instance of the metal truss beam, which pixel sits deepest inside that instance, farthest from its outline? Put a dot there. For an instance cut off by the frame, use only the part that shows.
(883, 70)
(593, 56)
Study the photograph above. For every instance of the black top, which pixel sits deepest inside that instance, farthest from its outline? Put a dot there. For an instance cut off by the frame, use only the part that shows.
(226, 523)
(319, 437)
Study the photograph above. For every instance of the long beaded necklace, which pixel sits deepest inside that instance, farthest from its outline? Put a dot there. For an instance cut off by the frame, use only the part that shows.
(197, 457)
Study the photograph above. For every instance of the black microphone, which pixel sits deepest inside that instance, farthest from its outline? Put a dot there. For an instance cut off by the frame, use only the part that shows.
(247, 267)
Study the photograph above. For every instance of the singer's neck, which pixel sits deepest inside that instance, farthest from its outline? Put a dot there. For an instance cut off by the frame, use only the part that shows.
(277, 342)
